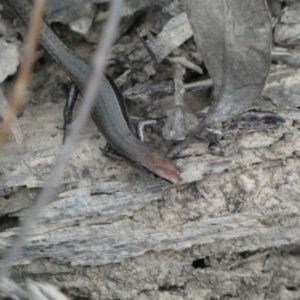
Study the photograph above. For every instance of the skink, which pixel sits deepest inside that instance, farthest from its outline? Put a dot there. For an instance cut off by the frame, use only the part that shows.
(107, 112)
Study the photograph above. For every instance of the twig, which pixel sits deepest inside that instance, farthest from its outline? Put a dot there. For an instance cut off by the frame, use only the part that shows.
(174, 128)
(26, 67)
(151, 91)
(15, 128)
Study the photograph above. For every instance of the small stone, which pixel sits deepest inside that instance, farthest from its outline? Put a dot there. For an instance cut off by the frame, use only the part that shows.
(9, 59)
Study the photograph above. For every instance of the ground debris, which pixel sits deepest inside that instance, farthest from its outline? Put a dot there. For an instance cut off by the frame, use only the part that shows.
(113, 231)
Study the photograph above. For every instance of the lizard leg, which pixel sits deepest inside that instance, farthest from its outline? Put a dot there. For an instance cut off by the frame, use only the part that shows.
(68, 110)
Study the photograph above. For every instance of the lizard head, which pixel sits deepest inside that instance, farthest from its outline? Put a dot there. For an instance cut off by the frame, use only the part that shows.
(162, 166)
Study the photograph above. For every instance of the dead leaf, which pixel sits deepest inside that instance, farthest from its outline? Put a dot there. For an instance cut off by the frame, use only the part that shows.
(234, 38)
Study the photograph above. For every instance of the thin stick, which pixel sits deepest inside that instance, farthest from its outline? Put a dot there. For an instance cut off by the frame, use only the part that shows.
(15, 128)
(26, 67)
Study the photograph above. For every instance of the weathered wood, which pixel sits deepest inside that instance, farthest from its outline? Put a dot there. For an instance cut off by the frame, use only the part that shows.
(175, 32)
(231, 229)
(93, 225)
